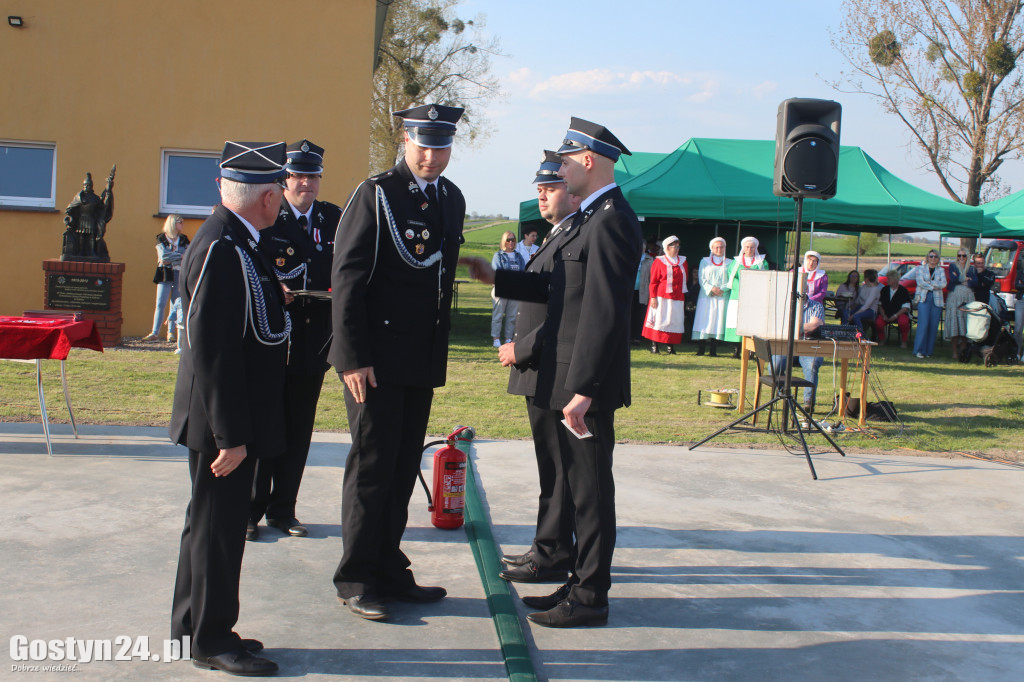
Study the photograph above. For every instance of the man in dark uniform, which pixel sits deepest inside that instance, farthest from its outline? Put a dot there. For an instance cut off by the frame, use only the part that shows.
(583, 366)
(394, 265)
(551, 553)
(228, 400)
(301, 247)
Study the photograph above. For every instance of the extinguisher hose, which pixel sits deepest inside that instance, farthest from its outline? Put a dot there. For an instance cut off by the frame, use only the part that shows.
(426, 488)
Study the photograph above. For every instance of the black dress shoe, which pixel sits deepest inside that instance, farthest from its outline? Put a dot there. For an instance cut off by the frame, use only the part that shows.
(531, 573)
(239, 662)
(253, 646)
(570, 614)
(366, 606)
(252, 532)
(548, 601)
(417, 594)
(290, 526)
(517, 559)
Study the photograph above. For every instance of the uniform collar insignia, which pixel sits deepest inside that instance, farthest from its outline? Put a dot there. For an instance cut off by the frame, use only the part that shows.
(444, 189)
(252, 244)
(413, 186)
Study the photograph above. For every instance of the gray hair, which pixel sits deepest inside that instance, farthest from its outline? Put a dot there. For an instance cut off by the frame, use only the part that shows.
(241, 196)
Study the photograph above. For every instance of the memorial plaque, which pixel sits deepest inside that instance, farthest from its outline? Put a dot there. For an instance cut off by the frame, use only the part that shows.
(78, 292)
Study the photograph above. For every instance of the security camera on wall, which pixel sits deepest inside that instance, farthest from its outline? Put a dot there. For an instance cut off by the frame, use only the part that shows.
(764, 304)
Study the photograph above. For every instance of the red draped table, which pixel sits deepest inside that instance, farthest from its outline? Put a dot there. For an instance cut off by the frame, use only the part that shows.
(38, 339)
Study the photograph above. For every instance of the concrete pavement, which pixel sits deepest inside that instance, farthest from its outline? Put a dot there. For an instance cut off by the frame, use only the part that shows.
(730, 565)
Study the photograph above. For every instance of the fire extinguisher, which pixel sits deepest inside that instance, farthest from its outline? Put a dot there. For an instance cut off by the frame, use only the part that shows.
(449, 497)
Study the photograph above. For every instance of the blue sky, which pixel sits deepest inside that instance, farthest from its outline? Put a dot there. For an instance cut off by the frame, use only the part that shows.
(656, 73)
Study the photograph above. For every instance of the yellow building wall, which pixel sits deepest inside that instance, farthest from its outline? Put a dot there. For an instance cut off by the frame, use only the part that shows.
(117, 81)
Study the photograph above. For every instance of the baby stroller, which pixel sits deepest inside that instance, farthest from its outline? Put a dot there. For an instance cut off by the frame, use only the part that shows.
(988, 335)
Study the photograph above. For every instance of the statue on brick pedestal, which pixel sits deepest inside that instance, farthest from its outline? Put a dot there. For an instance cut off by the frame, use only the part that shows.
(86, 218)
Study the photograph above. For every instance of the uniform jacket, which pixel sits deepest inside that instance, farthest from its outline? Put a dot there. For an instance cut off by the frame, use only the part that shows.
(586, 275)
(394, 265)
(230, 387)
(299, 264)
(530, 317)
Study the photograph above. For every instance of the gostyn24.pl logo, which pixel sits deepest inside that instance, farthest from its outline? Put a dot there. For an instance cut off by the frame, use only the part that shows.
(72, 650)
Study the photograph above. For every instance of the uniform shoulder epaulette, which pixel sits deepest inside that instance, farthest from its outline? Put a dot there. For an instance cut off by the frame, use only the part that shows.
(382, 176)
(328, 205)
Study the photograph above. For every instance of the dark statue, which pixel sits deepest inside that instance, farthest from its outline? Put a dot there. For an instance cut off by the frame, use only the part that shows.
(86, 218)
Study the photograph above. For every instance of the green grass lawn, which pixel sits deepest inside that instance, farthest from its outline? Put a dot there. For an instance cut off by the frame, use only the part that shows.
(947, 407)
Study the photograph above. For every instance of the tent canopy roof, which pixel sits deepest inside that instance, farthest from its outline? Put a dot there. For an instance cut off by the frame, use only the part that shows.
(731, 180)
(1005, 217)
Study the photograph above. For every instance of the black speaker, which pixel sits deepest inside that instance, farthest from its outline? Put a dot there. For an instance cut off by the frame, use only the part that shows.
(807, 148)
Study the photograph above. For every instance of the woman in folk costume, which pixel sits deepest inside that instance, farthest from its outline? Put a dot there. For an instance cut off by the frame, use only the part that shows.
(709, 322)
(749, 259)
(817, 280)
(666, 307)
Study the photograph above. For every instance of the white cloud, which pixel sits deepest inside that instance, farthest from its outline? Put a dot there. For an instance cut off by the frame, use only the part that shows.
(764, 89)
(520, 76)
(605, 81)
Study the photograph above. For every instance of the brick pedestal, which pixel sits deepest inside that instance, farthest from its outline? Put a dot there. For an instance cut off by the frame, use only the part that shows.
(108, 322)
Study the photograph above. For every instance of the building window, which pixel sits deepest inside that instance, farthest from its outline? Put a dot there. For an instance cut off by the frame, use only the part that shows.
(28, 174)
(188, 182)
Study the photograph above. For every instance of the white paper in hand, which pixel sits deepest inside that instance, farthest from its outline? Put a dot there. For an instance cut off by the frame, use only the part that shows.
(581, 436)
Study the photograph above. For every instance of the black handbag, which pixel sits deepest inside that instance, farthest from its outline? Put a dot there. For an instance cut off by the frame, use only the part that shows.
(164, 273)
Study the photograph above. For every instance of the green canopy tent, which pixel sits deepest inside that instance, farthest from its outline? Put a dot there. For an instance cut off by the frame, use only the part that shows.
(721, 180)
(1004, 217)
(726, 185)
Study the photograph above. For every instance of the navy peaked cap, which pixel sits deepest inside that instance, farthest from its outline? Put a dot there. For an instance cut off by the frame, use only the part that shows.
(548, 171)
(430, 125)
(254, 163)
(305, 157)
(586, 135)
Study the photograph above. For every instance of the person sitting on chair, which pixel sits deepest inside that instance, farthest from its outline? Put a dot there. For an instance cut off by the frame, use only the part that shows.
(862, 309)
(893, 306)
(814, 317)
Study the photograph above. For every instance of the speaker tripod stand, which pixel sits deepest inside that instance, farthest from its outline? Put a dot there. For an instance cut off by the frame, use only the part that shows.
(790, 407)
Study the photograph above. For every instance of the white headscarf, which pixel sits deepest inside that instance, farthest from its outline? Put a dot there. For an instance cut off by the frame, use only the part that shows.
(711, 244)
(818, 272)
(679, 261)
(758, 257)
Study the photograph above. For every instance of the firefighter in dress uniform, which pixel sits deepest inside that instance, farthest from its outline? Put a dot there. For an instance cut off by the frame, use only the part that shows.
(395, 255)
(301, 246)
(228, 400)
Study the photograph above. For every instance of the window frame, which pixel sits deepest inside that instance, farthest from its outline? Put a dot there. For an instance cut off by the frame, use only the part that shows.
(190, 210)
(20, 202)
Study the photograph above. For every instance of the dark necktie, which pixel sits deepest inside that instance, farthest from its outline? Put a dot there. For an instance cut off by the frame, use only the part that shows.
(304, 223)
(435, 205)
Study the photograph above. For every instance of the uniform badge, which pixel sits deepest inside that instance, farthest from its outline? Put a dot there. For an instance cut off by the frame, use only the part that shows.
(425, 234)
(409, 234)
(319, 247)
(279, 262)
(432, 114)
(304, 147)
(290, 251)
(420, 249)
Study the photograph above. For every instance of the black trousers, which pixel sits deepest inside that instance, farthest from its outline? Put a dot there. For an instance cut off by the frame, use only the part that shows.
(587, 464)
(388, 433)
(553, 546)
(205, 603)
(276, 488)
(637, 315)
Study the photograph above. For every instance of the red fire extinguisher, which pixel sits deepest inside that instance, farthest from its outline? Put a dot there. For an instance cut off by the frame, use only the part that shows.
(449, 497)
